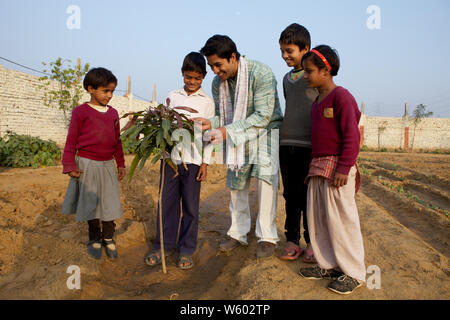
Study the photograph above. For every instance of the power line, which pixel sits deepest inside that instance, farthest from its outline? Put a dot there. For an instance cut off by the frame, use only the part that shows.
(23, 66)
(25, 98)
(145, 99)
(134, 94)
(18, 64)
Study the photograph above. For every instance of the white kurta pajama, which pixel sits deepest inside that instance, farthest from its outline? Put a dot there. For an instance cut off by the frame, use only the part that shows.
(263, 113)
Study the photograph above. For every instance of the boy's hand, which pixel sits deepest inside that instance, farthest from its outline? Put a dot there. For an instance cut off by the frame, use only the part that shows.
(75, 173)
(202, 172)
(340, 180)
(202, 123)
(120, 173)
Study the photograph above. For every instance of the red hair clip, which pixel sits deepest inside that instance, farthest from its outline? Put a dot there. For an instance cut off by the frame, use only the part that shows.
(322, 58)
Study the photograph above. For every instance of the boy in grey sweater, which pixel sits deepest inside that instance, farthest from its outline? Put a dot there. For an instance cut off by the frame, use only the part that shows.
(295, 140)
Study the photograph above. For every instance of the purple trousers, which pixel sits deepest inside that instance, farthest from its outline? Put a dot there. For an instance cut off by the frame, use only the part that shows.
(183, 189)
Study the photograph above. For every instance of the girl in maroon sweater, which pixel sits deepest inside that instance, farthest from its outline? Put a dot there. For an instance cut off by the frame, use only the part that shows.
(93, 141)
(333, 220)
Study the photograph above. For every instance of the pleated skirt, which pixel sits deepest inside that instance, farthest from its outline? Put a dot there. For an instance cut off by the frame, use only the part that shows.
(95, 194)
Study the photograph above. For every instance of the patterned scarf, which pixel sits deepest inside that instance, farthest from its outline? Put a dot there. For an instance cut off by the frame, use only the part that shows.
(234, 155)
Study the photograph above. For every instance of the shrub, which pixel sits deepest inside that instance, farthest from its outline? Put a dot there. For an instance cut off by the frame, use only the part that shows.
(129, 145)
(26, 151)
(364, 148)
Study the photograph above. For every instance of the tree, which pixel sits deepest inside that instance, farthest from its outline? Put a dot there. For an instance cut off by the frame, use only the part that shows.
(69, 91)
(381, 127)
(419, 114)
(153, 129)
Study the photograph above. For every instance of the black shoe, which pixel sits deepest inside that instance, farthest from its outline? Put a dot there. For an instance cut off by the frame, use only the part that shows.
(229, 244)
(317, 273)
(344, 284)
(94, 248)
(110, 252)
(265, 249)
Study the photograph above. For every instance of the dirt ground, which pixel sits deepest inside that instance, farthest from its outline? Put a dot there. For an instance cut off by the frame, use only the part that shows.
(403, 205)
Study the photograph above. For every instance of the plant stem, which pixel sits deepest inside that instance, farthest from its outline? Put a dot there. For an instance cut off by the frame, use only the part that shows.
(161, 236)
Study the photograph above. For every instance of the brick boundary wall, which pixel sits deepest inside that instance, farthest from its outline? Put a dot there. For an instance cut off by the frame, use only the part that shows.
(400, 133)
(22, 111)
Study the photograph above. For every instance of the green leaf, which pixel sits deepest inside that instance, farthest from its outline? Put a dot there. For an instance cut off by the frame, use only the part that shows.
(166, 127)
(169, 141)
(156, 158)
(172, 165)
(144, 159)
(159, 138)
(134, 163)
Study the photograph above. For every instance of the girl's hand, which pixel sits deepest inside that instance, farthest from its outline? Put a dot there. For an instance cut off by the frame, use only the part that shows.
(75, 173)
(202, 172)
(120, 173)
(340, 180)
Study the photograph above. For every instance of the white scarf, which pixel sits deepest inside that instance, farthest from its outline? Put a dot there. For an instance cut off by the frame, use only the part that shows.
(234, 155)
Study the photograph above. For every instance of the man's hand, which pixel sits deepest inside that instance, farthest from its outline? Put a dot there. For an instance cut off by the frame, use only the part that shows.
(223, 131)
(202, 123)
(340, 180)
(120, 173)
(202, 172)
(75, 173)
(216, 136)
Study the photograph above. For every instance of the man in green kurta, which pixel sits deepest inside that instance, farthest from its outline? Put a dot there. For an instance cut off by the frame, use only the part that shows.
(248, 117)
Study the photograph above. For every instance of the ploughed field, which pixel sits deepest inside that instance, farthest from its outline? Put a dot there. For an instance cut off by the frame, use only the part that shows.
(404, 203)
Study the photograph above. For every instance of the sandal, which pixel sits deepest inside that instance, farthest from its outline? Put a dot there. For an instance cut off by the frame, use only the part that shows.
(291, 251)
(154, 258)
(185, 262)
(309, 257)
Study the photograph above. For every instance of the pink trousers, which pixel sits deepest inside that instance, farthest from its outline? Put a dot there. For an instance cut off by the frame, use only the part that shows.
(334, 228)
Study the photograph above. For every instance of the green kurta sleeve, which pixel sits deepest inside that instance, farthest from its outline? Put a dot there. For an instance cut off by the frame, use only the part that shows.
(263, 112)
(262, 85)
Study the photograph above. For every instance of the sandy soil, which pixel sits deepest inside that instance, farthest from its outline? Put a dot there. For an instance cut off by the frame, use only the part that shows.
(403, 205)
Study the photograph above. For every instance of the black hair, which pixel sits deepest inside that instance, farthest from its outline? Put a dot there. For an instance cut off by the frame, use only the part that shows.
(98, 77)
(220, 45)
(296, 34)
(194, 61)
(329, 53)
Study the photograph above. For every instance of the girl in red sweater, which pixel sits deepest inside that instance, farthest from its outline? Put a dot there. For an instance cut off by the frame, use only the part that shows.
(93, 141)
(333, 178)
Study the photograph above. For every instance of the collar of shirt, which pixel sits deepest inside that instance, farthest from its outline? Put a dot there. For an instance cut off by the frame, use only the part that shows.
(296, 74)
(199, 92)
(101, 109)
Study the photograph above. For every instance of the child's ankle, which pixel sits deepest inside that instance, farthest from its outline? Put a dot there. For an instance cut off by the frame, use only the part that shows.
(111, 245)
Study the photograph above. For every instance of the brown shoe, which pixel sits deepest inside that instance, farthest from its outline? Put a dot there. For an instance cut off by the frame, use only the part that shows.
(265, 249)
(229, 244)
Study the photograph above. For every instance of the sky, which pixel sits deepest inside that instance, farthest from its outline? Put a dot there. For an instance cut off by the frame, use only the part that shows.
(396, 54)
